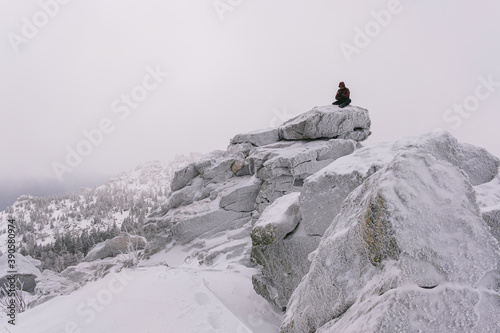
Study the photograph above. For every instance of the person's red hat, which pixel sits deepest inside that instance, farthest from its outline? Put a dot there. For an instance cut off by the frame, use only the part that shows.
(341, 85)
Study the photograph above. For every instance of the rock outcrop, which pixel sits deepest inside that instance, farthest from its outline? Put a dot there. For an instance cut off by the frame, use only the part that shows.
(346, 238)
(328, 122)
(408, 251)
(322, 122)
(229, 188)
(123, 243)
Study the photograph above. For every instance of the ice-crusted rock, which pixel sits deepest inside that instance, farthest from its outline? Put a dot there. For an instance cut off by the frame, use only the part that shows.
(123, 243)
(241, 198)
(258, 138)
(443, 309)
(183, 176)
(281, 250)
(35, 262)
(488, 199)
(224, 205)
(184, 231)
(412, 226)
(277, 220)
(26, 272)
(156, 244)
(283, 264)
(329, 122)
(196, 181)
(324, 192)
(283, 166)
(89, 271)
(492, 218)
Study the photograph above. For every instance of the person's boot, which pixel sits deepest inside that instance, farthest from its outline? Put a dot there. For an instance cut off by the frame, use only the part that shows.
(346, 103)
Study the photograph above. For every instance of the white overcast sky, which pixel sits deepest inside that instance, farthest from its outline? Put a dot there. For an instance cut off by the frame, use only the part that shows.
(265, 60)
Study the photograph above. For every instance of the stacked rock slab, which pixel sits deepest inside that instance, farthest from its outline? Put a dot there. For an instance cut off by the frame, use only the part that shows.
(407, 252)
(227, 189)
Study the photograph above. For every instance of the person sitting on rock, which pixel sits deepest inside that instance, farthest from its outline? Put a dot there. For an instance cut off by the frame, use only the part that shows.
(342, 97)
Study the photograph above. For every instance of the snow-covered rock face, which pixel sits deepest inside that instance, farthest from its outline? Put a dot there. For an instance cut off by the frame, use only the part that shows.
(226, 188)
(322, 122)
(329, 122)
(284, 166)
(284, 261)
(123, 243)
(323, 193)
(414, 225)
(488, 199)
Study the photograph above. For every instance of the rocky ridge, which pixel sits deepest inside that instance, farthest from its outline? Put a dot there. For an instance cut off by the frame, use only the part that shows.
(393, 237)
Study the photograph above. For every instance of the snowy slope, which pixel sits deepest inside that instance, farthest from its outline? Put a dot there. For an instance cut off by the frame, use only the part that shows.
(171, 292)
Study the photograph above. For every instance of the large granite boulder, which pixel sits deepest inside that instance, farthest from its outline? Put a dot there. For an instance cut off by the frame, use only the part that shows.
(324, 192)
(281, 249)
(277, 220)
(26, 275)
(408, 251)
(123, 243)
(183, 176)
(328, 122)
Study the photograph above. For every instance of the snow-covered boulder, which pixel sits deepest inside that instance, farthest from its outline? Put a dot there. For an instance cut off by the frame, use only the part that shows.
(258, 138)
(183, 176)
(50, 284)
(35, 262)
(91, 271)
(412, 226)
(123, 243)
(324, 192)
(328, 122)
(281, 250)
(277, 220)
(156, 244)
(283, 264)
(26, 274)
